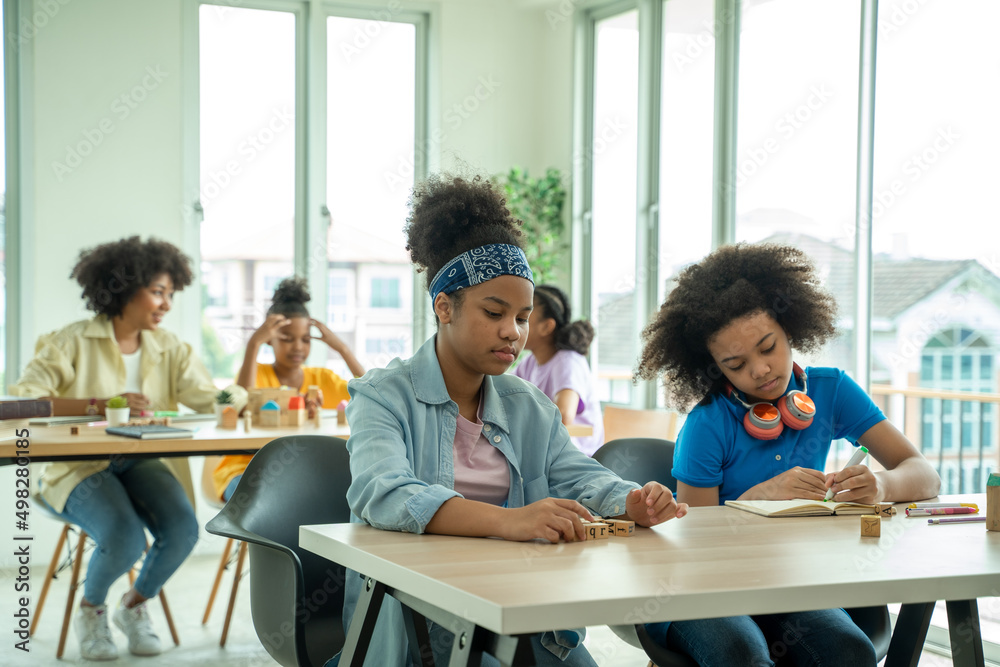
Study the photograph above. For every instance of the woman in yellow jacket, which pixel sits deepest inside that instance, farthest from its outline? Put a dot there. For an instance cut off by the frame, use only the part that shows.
(130, 284)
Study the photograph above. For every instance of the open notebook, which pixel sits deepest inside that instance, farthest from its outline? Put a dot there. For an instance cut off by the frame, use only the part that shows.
(800, 507)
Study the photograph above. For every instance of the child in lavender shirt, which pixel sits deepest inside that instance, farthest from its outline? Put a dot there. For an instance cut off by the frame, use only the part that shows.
(557, 365)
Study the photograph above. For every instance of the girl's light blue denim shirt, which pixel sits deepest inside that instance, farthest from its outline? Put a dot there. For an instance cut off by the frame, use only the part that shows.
(403, 426)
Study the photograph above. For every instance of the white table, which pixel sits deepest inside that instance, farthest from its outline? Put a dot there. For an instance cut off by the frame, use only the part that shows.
(716, 561)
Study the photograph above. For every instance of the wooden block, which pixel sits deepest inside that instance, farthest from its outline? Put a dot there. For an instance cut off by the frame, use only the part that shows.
(597, 530)
(228, 418)
(871, 525)
(993, 502)
(885, 509)
(620, 527)
(342, 413)
(74, 430)
(293, 418)
(247, 421)
(269, 418)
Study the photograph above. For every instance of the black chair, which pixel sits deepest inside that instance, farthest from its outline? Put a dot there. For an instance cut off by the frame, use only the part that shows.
(642, 460)
(292, 481)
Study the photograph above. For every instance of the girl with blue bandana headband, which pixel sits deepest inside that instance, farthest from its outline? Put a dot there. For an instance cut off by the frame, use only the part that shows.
(445, 442)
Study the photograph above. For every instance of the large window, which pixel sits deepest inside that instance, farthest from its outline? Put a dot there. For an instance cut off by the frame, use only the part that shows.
(247, 186)
(280, 200)
(613, 151)
(814, 142)
(370, 173)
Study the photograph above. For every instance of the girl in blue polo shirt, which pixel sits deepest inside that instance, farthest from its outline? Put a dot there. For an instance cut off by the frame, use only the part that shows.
(762, 429)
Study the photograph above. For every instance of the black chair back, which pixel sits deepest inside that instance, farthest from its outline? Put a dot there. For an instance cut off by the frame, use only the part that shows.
(639, 460)
(292, 481)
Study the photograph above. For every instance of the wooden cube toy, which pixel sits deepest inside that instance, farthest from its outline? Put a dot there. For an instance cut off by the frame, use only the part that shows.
(871, 526)
(228, 418)
(620, 527)
(312, 394)
(993, 502)
(269, 415)
(597, 530)
(295, 415)
(885, 509)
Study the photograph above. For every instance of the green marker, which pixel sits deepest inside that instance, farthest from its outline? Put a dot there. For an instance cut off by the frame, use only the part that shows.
(859, 454)
(166, 413)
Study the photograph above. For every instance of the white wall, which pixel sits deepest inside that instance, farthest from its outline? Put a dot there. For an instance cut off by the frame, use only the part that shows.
(89, 54)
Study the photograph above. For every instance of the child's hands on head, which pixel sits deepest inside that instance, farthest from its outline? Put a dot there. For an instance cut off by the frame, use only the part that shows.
(856, 484)
(653, 504)
(269, 329)
(327, 336)
(551, 519)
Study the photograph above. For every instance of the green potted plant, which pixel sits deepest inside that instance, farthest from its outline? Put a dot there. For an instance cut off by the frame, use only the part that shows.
(117, 411)
(222, 399)
(539, 203)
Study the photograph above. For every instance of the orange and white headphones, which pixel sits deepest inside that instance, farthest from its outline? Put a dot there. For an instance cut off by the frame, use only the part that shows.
(765, 421)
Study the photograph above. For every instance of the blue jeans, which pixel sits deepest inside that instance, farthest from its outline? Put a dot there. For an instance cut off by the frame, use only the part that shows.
(442, 639)
(231, 487)
(826, 637)
(113, 506)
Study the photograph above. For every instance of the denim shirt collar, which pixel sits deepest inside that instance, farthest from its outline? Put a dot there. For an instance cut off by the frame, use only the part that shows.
(429, 387)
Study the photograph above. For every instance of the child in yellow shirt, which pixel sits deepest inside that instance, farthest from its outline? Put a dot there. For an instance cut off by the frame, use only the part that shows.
(287, 329)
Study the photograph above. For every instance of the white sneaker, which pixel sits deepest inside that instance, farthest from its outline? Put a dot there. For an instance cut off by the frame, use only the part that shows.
(135, 624)
(91, 627)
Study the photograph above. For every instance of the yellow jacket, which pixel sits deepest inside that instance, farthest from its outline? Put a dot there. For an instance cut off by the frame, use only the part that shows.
(83, 360)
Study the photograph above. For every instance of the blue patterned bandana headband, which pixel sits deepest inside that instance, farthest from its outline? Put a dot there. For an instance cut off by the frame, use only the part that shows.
(478, 265)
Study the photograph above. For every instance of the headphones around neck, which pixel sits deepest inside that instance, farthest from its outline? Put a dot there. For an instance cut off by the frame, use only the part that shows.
(766, 421)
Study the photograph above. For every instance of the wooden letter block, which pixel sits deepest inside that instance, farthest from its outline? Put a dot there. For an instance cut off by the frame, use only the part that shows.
(871, 526)
(74, 430)
(595, 531)
(885, 509)
(993, 502)
(620, 527)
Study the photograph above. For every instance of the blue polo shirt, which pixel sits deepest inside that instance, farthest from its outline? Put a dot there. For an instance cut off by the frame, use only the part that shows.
(713, 448)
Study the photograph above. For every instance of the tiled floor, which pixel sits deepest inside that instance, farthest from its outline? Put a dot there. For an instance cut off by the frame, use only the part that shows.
(187, 594)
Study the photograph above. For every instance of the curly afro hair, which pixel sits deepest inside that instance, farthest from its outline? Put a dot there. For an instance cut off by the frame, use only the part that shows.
(111, 273)
(290, 298)
(451, 214)
(730, 283)
(554, 303)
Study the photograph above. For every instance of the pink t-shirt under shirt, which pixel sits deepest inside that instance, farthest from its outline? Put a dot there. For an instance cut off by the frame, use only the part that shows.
(569, 370)
(481, 471)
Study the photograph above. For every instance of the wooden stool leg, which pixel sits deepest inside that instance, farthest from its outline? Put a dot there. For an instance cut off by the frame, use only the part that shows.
(170, 619)
(232, 595)
(218, 579)
(71, 598)
(49, 576)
